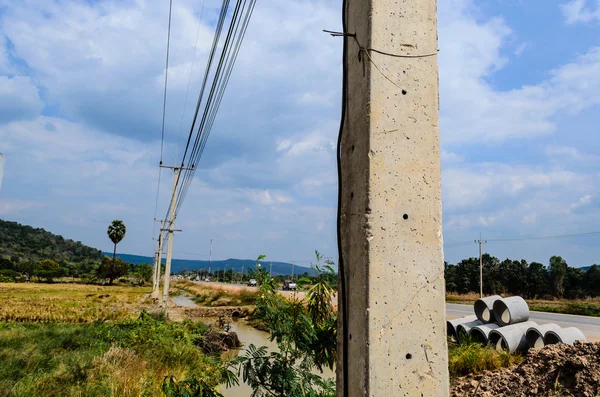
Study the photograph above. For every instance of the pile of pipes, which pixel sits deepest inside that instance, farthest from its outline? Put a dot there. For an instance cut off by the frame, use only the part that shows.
(504, 323)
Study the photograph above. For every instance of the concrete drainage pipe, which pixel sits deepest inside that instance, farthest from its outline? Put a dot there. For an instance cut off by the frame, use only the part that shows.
(511, 337)
(452, 324)
(535, 335)
(462, 330)
(511, 310)
(484, 308)
(564, 335)
(481, 333)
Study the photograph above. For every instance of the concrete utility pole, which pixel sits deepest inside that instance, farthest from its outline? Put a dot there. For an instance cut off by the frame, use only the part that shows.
(171, 230)
(292, 270)
(393, 339)
(157, 263)
(271, 269)
(480, 266)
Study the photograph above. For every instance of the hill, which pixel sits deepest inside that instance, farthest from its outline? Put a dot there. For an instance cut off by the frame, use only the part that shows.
(177, 265)
(21, 243)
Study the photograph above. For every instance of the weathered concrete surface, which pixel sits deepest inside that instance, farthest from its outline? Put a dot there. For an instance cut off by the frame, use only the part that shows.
(391, 218)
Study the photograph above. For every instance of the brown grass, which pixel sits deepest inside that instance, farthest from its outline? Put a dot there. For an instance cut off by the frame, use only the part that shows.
(70, 303)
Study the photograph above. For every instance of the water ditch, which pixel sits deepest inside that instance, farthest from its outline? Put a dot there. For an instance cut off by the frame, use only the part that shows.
(248, 336)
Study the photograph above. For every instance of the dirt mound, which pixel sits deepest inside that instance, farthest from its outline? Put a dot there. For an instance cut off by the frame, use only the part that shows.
(555, 370)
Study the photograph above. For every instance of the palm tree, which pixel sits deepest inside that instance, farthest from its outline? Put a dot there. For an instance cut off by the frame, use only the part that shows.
(116, 232)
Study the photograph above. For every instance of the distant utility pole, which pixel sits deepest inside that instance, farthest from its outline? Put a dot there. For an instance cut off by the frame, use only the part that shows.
(171, 230)
(271, 269)
(242, 276)
(157, 262)
(480, 242)
(292, 270)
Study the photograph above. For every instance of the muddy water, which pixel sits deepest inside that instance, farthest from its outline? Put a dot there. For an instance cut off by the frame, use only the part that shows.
(248, 336)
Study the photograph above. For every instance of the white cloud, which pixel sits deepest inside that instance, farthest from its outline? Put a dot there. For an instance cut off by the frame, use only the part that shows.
(19, 99)
(472, 110)
(579, 11)
(583, 201)
(16, 207)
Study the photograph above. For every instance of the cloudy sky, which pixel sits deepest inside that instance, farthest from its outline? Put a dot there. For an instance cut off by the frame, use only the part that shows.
(80, 123)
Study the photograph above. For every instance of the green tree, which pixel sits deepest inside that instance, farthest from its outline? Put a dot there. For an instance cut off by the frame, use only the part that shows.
(116, 232)
(49, 270)
(592, 279)
(558, 272)
(305, 335)
(112, 269)
(537, 280)
(143, 273)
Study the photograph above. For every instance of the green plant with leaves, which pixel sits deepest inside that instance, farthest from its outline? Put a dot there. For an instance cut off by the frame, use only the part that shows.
(112, 269)
(305, 335)
(116, 232)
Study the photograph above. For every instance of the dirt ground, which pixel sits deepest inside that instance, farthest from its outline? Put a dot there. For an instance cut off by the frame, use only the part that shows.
(556, 370)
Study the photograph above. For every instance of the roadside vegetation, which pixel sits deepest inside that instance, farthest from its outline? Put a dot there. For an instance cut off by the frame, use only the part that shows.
(214, 296)
(470, 358)
(305, 332)
(136, 357)
(582, 307)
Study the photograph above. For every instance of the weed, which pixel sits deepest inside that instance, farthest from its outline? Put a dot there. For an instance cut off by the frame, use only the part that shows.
(471, 357)
(126, 358)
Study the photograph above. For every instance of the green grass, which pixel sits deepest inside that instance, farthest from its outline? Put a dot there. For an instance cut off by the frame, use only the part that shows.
(471, 358)
(214, 297)
(126, 358)
(581, 308)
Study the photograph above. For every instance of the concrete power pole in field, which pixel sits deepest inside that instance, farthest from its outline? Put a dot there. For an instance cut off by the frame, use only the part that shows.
(157, 263)
(171, 229)
(392, 341)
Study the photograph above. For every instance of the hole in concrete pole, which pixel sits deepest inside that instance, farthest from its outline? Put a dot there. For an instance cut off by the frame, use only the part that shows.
(351, 195)
(408, 356)
(352, 148)
(350, 337)
(403, 92)
(405, 216)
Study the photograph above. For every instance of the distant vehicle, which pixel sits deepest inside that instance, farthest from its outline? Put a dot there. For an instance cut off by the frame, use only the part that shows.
(252, 283)
(289, 285)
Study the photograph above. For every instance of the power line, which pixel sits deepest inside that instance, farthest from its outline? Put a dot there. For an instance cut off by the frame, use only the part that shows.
(230, 50)
(187, 91)
(166, 79)
(516, 239)
(558, 237)
(162, 138)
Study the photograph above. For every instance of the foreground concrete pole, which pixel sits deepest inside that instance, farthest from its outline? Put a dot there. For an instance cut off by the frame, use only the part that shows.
(391, 213)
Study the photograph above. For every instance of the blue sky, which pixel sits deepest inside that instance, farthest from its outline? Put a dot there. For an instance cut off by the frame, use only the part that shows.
(80, 112)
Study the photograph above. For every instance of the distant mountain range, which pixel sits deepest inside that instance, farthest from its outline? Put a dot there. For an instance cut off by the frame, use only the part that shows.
(177, 265)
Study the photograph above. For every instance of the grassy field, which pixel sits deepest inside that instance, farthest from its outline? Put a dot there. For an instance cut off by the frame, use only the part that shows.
(85, 340)
(214, 296)
(583, 307)
(126, 358)
(69, 303)
(471, 358)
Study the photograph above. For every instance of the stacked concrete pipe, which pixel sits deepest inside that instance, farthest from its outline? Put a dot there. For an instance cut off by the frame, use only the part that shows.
(511, 337)
(564, 335)
(484, 308)
(452, 324)
(481, 333)
(464, 330)
(511, 310)
(535, 335)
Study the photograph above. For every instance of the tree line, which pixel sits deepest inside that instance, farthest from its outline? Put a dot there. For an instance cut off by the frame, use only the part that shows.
(517, 277)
